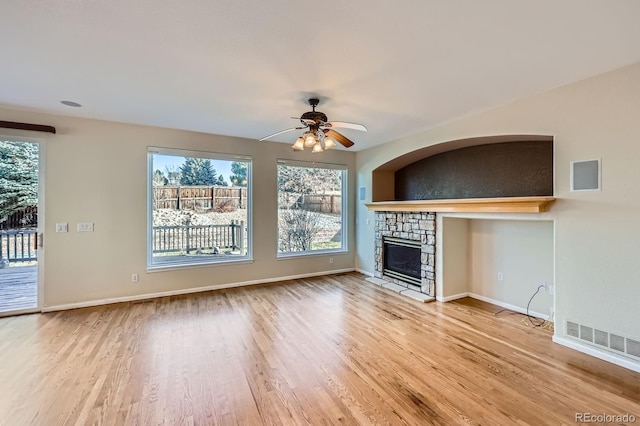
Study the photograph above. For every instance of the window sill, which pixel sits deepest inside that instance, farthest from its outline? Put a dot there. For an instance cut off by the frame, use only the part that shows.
(190, 265)
(296, 255)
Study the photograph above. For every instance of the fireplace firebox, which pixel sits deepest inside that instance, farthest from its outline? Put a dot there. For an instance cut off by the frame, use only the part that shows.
(402, 259)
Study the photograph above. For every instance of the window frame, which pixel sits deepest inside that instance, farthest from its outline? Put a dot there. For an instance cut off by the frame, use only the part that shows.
(204, 260)
(343, 202)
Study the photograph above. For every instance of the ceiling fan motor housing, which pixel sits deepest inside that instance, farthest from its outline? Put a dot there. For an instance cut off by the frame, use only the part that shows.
(317, 116)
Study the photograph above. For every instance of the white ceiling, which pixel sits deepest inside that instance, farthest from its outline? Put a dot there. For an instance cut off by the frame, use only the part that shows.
(243, 67)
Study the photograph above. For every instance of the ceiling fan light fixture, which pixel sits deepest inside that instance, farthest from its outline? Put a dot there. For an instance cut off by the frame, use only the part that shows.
(329, 143)
(298, 144)
(318, 131)
(309, 139)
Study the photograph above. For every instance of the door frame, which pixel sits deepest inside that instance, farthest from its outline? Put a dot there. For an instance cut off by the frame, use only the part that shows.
(8, 135)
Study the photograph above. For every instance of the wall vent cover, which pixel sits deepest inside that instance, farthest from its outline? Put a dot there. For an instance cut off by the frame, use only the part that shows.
(633, 347)
(586, 333)
(573, 329)
(605, 340)
(617, 343)
(601, 338)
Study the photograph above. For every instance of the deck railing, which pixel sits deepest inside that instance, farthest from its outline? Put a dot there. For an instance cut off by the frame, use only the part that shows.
(198, 238)
(18, 245)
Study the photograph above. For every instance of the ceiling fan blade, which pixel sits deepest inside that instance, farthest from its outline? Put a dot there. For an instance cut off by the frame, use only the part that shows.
(280, 132)
(338, 137)
(345, 125)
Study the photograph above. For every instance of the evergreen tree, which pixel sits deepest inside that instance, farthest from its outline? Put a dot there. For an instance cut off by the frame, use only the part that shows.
(220, 181)
(197, 171)
(239, 176)
(159, 179)
(18, 177)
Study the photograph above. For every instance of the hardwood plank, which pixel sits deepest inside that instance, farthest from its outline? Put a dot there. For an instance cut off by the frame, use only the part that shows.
(326, 350)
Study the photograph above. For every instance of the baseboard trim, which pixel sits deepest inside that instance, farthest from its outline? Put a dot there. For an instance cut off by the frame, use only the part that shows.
(367, 273)
(450, 298)
(20, 312)
(146, 296)
(600, 354)
(509, 306)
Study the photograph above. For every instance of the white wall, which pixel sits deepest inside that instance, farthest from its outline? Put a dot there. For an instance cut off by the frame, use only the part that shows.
(596, 233)
(471, 252)
(522, 251)
(452, 257)
(96, 172)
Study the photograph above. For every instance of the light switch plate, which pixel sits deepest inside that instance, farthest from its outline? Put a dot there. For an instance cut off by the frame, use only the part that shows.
(62, 227)
(85, 227)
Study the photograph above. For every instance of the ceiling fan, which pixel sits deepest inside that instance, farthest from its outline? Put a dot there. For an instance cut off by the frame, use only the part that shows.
(319, 135)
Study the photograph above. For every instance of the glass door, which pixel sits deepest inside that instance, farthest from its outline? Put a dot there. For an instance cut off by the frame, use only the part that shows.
(19, 199)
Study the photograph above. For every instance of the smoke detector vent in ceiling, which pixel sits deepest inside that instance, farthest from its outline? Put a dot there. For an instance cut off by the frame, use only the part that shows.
(71, 104)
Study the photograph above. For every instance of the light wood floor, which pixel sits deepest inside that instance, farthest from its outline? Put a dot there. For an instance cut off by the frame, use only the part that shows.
(330, 350)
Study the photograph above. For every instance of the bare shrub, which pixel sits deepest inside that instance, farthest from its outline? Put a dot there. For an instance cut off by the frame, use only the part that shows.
(298, 229)
(225, 206)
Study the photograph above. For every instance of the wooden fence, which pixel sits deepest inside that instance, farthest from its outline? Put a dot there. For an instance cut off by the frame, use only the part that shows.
(322, 203)
(198, 238)
(199, 197)
(27, 218)
(18, 246)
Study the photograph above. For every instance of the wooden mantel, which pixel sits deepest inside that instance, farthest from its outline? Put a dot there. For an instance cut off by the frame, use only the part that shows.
(468, 205)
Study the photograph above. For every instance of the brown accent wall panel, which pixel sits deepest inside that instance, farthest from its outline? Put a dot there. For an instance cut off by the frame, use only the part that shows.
(509, 169)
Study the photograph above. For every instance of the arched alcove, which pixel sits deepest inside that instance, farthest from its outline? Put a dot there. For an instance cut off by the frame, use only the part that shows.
(481, 167)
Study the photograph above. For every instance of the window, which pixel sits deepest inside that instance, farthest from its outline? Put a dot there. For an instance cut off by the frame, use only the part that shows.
(311, 208)
(199, 208)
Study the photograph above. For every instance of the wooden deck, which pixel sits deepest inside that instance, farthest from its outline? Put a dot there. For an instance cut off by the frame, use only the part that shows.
(18, 288)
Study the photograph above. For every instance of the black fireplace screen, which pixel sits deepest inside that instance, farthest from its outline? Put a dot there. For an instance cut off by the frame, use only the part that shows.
(401, 259)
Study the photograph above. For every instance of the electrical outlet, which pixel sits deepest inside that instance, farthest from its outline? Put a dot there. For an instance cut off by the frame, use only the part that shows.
(331, 260)
(551, 289)
(550, 313)
(62, 227)
(135, 278)
(500, 276)
(544, 285)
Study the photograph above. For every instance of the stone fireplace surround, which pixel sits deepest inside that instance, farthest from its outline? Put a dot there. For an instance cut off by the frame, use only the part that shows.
(415, 226)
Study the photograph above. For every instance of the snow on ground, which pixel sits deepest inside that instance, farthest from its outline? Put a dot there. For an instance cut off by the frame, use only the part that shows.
(170, 217)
